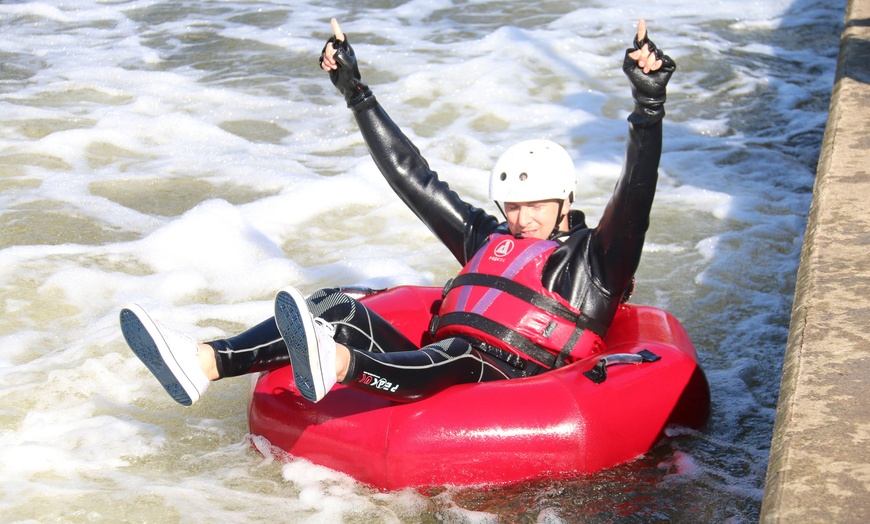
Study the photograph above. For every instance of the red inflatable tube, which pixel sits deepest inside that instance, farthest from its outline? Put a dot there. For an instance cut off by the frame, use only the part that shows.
(559, 424)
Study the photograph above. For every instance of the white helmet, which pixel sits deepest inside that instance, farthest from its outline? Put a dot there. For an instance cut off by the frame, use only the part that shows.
(531, 171)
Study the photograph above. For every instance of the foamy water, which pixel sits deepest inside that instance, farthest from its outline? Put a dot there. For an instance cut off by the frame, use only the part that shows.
(191, 156)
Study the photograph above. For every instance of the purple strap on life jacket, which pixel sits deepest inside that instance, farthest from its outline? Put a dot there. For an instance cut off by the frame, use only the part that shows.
(529, 253)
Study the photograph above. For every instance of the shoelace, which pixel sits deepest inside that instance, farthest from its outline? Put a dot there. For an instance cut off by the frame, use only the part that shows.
(328, 328)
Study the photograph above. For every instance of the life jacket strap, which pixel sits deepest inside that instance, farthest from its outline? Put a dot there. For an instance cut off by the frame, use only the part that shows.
(497, 330)
(512, 359)
(530, 296)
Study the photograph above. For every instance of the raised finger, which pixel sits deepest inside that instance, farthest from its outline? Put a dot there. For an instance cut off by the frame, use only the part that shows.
(641, 30)
(336, 30)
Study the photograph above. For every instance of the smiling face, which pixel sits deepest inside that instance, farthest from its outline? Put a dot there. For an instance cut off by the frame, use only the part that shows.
(535, 219)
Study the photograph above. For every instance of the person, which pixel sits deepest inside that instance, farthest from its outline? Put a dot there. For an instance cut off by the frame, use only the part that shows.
(538, 290)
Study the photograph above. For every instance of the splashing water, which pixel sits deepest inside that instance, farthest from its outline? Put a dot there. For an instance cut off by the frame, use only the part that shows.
(192, 157)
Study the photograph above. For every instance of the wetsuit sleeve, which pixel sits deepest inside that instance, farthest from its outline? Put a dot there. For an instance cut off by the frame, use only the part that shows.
(460, 226)
(618, 240)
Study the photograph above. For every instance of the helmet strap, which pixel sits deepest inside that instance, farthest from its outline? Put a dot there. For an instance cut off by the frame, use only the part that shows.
(560, 217)
(498, 205)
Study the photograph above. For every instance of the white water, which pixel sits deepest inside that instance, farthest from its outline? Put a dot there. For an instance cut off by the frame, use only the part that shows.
(192, 157)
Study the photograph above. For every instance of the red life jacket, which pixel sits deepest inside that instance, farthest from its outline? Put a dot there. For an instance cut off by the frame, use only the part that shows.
(498, 298)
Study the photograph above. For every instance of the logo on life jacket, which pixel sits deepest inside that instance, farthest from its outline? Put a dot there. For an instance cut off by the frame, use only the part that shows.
(502, 250)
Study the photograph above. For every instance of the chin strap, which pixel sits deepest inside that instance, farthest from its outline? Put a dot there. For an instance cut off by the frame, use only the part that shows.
(498, 205)
(559, 219)
(556, 229)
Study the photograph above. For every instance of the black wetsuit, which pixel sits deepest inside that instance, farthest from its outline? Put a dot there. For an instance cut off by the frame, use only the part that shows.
(591, 269)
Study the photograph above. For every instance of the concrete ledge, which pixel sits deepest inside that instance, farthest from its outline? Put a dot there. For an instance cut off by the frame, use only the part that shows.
(819, 469)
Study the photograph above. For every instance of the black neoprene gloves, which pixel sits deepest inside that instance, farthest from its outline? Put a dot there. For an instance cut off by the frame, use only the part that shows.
(648, 89)
(346, 78)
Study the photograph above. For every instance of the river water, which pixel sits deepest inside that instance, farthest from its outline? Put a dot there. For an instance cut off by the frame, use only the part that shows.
(190, 155)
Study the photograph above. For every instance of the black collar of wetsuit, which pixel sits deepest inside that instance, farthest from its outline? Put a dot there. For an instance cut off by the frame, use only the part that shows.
(576, 222)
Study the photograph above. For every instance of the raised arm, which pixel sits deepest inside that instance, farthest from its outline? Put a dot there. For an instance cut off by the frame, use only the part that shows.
(458, 225)
(618, 239)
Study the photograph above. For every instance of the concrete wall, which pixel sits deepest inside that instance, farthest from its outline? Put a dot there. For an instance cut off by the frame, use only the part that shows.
(819, 469)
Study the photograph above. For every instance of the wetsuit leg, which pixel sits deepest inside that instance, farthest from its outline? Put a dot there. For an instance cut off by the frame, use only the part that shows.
(413, 375)
(383, 361)
(260, 348)
(356, 325)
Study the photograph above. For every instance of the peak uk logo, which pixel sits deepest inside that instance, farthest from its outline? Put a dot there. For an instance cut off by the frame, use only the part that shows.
(370, 379)
(504, 248)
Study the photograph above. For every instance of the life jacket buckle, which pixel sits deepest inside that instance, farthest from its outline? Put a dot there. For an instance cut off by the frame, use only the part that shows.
(447, 287)
(549, 329)
(511, 359)
(433, 324)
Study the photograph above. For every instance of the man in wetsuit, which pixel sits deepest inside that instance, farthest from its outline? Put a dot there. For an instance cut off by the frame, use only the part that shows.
(536, 292)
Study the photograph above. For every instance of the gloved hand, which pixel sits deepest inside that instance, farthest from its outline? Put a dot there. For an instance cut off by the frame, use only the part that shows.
(648, 70)
(344, 72)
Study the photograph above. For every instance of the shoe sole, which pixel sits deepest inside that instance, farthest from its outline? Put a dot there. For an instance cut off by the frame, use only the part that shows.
(145, 340)
(299, 337)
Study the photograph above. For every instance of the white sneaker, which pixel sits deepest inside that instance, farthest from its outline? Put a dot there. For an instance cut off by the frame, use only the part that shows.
(309, 342)
(170, 356)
